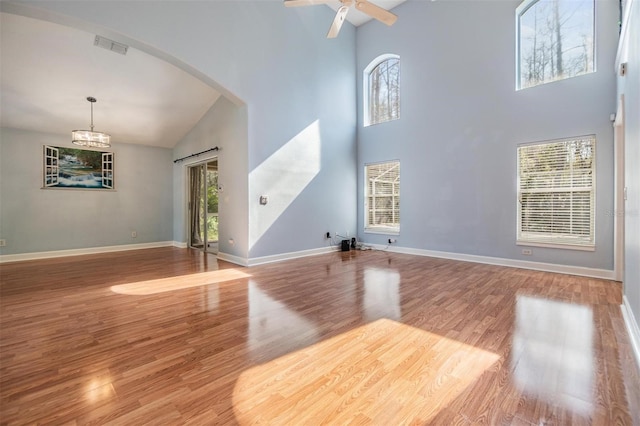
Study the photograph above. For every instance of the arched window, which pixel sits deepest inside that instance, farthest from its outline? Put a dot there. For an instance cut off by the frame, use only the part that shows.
(556, 40)
(382, 90)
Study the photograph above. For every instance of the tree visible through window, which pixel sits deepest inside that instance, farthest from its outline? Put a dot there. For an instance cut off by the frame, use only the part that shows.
(555, 40)
(382, 199)
(556, 192)
(382, 90)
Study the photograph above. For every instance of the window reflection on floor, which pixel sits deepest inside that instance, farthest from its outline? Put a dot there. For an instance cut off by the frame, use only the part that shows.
(381, 294)
(274, 325)
(552, 355)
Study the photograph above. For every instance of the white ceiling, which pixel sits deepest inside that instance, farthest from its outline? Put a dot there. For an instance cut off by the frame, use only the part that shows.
(48, 70)
(358, 18)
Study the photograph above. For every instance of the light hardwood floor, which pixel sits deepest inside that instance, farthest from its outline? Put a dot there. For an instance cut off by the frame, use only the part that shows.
(173, 336)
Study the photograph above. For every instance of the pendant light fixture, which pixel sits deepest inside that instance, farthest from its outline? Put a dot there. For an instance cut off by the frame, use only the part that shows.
(89, 137)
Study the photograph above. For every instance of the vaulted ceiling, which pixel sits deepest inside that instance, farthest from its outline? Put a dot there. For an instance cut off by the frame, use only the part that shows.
(48, 70)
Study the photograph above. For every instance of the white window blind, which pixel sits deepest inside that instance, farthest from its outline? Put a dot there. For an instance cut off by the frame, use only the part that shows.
(382, 201)
(556, 192)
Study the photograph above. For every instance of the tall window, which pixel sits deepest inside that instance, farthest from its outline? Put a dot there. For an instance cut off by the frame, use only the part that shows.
(555, 40)
(382, 197)
(382, 90)
(556, 193)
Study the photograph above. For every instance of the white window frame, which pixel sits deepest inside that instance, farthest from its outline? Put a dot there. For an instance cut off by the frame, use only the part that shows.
(107, 170)
(51, 166)
(520, 11)
(558, 240)
(366, 88)
(380, 229)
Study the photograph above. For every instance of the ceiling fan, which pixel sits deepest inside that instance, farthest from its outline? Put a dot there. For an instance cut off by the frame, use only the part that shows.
(363, 6)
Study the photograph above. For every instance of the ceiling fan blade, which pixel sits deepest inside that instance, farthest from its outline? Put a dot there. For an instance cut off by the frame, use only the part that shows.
(296, 3)
(337, 22)
(376, 12)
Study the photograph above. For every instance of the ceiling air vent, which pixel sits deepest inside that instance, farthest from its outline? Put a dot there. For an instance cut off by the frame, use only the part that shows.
(111, 45)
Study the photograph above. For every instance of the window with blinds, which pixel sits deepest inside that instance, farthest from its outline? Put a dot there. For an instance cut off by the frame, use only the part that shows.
(556, 193)
(382, 197)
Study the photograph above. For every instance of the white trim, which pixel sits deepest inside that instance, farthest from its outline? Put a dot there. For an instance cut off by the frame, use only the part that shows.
(566, 246)
(233, 259)
(382, 231)
(537, 266)
(522, 8)
(618, 192)
(79, 252)
(292, 255)
(510, 263)
(632, 328)
(623, 41)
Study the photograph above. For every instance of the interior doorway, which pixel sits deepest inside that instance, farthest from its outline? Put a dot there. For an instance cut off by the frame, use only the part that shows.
(203, 206)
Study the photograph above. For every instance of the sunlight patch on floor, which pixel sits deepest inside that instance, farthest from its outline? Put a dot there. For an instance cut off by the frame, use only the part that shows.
(384, 372)
(161, 285)
(99, 388)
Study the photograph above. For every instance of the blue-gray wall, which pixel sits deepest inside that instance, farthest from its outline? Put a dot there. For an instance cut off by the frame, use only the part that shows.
(38, 220)
(299, 92)
(460, 123)
(223, 126)
(462, 119)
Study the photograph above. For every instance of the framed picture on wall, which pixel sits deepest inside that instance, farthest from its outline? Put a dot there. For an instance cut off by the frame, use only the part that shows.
(77, 168)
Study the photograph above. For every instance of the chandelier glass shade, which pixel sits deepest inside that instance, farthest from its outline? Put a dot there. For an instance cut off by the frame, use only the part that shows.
(89, 137)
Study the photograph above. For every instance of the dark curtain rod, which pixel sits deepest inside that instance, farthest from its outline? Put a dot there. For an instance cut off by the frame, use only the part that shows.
(196, 154)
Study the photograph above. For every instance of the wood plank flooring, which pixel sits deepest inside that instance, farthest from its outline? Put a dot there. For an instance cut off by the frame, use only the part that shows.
(173, 336)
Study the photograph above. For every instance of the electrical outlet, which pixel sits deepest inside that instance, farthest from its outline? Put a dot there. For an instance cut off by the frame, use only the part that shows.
(527, 252)
(134, 234)
(328, 235)
(231, 242)
(392, 240)
(3, 243)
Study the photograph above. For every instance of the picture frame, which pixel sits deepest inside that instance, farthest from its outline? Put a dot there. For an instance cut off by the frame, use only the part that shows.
(76, 168)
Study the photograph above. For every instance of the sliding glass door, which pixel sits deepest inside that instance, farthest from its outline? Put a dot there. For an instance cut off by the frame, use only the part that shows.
(203, 206)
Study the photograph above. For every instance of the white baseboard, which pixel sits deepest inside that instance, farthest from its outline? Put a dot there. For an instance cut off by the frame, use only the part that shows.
(538, 266)
(5, 258)
(292, 255)
(233, 259)
(632, 327)
(273, 258)
(523, 264)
